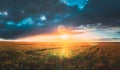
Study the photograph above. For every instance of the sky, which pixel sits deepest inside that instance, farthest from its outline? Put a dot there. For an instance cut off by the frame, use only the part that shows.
(25, 19)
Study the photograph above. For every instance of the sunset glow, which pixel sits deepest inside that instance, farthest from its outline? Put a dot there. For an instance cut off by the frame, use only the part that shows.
(59, 34)
(64, 36)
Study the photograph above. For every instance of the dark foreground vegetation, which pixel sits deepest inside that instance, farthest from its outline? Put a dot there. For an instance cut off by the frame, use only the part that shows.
(59, 56)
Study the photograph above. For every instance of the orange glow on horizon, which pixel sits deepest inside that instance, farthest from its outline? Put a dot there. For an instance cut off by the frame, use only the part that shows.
(63, 34)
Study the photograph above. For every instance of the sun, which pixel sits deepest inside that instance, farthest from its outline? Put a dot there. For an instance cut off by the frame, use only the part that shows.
(64, 36)
(63, 32)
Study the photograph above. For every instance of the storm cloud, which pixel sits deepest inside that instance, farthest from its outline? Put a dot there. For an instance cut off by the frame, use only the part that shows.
(19, 18)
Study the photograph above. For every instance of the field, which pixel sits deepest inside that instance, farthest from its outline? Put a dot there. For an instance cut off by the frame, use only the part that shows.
(59, 56)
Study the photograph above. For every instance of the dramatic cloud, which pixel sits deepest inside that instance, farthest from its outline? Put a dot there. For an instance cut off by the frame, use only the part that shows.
(22, 18)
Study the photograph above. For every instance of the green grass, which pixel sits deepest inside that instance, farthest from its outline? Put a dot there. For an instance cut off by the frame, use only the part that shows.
(26, 56)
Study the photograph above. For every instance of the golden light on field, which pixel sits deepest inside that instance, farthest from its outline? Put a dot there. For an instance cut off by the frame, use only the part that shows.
(92, 43)
(64, 36)
(64, 51)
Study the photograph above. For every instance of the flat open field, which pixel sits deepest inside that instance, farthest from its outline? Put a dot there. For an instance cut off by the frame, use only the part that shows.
(59, 56)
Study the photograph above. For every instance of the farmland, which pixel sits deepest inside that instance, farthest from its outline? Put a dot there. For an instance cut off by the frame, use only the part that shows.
(59, 56)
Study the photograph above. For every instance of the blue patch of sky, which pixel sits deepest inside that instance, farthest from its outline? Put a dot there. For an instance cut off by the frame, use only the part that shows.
(104, 33)
(3, 14)
(30, 21)
(43, 18)
(10, 23)
(27, 21)
(80, 3)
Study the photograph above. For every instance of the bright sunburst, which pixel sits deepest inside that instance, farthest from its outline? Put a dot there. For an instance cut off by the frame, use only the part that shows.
(64, 36)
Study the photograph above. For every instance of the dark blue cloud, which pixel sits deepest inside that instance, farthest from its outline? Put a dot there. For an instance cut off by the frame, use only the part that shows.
(28, 17)
(106, 11)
